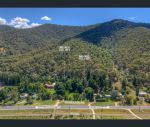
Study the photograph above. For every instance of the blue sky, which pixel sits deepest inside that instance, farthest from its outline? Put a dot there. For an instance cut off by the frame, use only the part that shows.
(29, 17)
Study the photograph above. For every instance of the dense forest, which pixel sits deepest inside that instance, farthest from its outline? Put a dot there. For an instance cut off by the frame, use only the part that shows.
(119, 53)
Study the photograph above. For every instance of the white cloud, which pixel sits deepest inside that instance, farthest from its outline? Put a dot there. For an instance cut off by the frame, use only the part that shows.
(132, 18)
(22, 23)
(3, 21)
(19, 22)
(34, 25)
(46, 18)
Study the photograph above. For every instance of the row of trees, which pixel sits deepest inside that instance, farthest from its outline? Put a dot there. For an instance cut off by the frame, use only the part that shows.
(9, 78)
(72, 89)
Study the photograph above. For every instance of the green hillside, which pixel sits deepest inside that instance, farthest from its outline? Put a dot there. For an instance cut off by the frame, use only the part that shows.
(119, 52)
(129, 44)
(48, 61)
(23, 40)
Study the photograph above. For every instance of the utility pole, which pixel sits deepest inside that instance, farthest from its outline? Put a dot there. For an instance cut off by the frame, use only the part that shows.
(64, 49)
(84, 58)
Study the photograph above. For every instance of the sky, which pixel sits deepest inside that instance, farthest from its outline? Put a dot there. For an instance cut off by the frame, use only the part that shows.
(32, 17)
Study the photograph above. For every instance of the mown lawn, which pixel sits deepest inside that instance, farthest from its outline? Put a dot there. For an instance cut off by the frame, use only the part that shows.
(44, 102)
(107, 103)
(37, 102)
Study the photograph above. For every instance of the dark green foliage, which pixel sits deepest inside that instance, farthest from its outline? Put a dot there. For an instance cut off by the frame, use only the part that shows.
(93, 84)
(137, 90)
(89, 93)
(60, 89)
(124, 86)
(29, 100)
(3, 95)
(9, 78)
(14, 95)
(115, 95)
(80, 87)
(135, 82)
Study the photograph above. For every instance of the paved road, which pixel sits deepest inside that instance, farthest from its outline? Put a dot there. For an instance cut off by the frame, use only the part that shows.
(71, 107)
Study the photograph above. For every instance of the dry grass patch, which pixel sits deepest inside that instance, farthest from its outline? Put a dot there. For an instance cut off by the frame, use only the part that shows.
(25, 112)
(71, 111)
(143, 113)
(113, 114)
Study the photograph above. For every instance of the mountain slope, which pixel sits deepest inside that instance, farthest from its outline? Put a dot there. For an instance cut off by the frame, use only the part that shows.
(24, 40)
(42, 64)
(129, 44)
(126, 42)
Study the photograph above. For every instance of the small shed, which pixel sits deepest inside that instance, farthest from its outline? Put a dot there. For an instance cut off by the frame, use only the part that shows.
(120, 94)
(107, 95)
(50, 86)
(24, 95)
(141, 99)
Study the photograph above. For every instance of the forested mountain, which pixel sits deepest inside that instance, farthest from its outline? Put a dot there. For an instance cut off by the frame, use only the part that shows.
(104, 30)
(23, 40)
(128, 42)
(119, 51)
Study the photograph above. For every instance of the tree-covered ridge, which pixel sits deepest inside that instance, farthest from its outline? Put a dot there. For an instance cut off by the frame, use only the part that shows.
(16, 41)
(104, 30)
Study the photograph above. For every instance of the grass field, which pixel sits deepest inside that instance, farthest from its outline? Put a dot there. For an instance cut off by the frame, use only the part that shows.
(45, 102)
(26, 117)
(26, 114)
(78, 111)
(37, 102)
(46, 114)
(144, 113)
(63, 103)
(110, 117)
(113, 114)
(107, 103)
(66, 114)
(73, 114)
